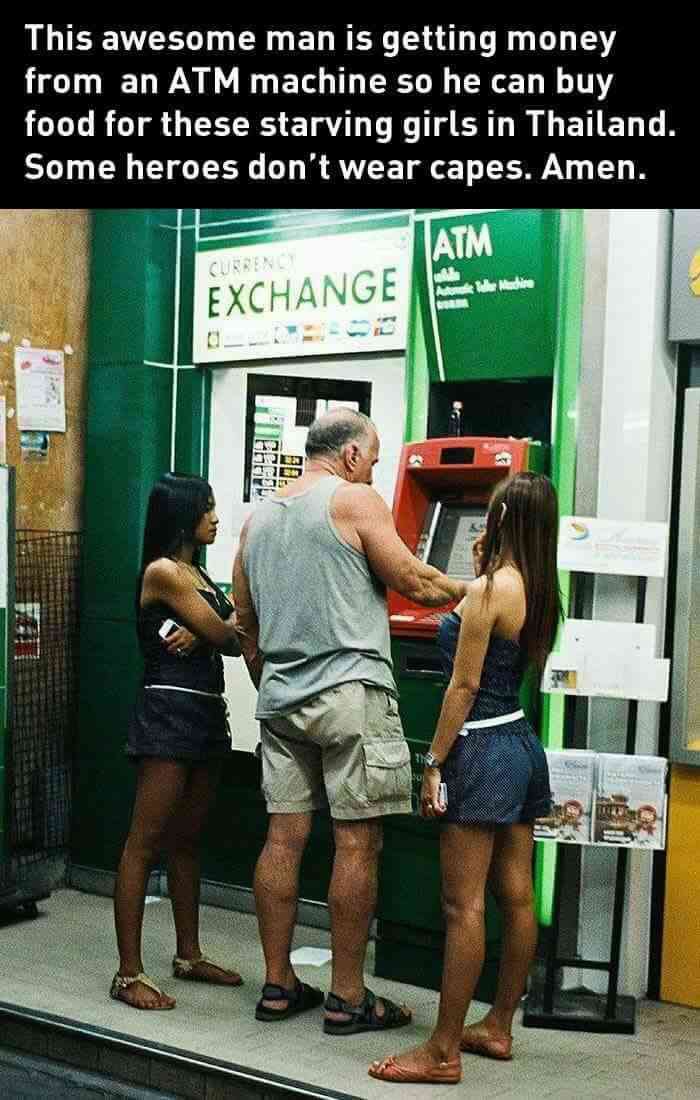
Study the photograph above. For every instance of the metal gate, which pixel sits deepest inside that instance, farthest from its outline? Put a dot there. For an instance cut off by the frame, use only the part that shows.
(42, 710)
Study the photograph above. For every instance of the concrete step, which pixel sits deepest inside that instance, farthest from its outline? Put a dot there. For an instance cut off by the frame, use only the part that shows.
(38, 1049)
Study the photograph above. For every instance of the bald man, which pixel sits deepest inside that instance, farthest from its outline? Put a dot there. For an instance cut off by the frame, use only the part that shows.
(310, 581)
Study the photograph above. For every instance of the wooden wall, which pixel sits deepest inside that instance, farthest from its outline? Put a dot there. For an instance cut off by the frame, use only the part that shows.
(44, 281)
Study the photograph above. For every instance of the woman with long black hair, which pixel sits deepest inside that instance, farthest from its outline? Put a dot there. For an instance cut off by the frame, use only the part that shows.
(495, 774)
(179, 734)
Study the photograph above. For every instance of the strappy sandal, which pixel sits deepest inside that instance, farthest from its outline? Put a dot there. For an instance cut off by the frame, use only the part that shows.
(364, 1017)
(186, 969)
(498, 1049)
(120, 983)
(443, 1073)
(300, 999)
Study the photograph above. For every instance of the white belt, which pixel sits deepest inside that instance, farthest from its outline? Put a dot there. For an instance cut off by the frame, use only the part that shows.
(189, 691)
(501, 720)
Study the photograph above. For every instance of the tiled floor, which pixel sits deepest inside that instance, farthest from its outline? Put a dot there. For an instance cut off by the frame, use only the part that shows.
(62, 964)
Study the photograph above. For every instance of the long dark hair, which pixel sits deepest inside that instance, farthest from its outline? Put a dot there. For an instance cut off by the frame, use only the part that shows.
(526, 533)
(175, 507)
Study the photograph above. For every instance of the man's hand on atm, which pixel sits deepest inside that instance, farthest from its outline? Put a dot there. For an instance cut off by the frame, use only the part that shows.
(364, 520)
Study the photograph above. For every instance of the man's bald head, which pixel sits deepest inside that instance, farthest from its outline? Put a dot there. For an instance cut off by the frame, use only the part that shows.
(334, 430)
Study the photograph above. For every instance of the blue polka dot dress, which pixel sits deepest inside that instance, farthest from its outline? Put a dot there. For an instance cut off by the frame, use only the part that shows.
(495, 775)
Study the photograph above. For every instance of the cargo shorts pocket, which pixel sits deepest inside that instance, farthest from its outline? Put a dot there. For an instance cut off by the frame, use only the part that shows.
(388, 770)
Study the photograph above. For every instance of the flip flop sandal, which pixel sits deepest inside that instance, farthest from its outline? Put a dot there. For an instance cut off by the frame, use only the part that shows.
(300, 999)
(364, 1017)
(445, 1073)
(120, 983)
(187, 970)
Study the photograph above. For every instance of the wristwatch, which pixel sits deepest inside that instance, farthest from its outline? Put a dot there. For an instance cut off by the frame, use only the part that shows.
(431, 761)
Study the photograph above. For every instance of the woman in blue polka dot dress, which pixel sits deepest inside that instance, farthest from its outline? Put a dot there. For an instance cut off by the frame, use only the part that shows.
(494, 770)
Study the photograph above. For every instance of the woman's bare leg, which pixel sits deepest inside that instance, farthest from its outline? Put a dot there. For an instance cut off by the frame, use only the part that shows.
(465, 857)
(182, 843)
(510, 880)
(159, 791)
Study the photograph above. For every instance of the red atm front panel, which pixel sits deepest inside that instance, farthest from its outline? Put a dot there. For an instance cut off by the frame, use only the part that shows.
(440, 503)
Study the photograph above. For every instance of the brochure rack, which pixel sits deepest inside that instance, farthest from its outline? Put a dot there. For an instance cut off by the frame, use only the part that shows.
(583, 1010)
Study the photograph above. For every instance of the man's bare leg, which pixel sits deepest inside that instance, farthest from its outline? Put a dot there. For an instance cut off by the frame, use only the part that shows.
(352, 899)
(276, 887)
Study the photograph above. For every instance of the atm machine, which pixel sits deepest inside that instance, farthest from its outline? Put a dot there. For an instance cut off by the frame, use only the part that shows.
(440, 504)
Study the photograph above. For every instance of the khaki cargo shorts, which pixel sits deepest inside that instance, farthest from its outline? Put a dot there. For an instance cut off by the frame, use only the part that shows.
(345, 748)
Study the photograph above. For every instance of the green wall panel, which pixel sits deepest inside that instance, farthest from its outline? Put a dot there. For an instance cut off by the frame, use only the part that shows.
(417, 385)
(128, 447)
(118, 286)
(104, 779)
(132, 292)
(186, 265)
(237, 829)
(159, 290)
(192, 434)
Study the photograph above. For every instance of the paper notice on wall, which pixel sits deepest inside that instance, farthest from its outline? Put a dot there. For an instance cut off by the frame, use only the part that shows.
(34, 446)
(27, 631)
(41, 390)
(589, 545)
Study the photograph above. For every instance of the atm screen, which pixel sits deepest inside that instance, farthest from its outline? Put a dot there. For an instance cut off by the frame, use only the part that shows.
(456, 529)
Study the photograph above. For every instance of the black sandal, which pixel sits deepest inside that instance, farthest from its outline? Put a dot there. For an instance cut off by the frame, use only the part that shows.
(364, 1017)
(300, 999)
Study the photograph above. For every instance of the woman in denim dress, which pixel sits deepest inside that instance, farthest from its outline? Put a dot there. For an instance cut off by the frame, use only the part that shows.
(494, 771)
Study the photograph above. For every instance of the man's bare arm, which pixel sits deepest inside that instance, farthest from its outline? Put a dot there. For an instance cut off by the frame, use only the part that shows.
(246, 619)
(360, 508)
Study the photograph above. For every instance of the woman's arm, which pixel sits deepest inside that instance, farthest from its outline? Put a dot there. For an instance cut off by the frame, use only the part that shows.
(478, 612)
(182, 641)
(164, 581)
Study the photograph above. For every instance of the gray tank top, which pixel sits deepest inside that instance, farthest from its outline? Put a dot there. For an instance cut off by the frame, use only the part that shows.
(322, 613)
